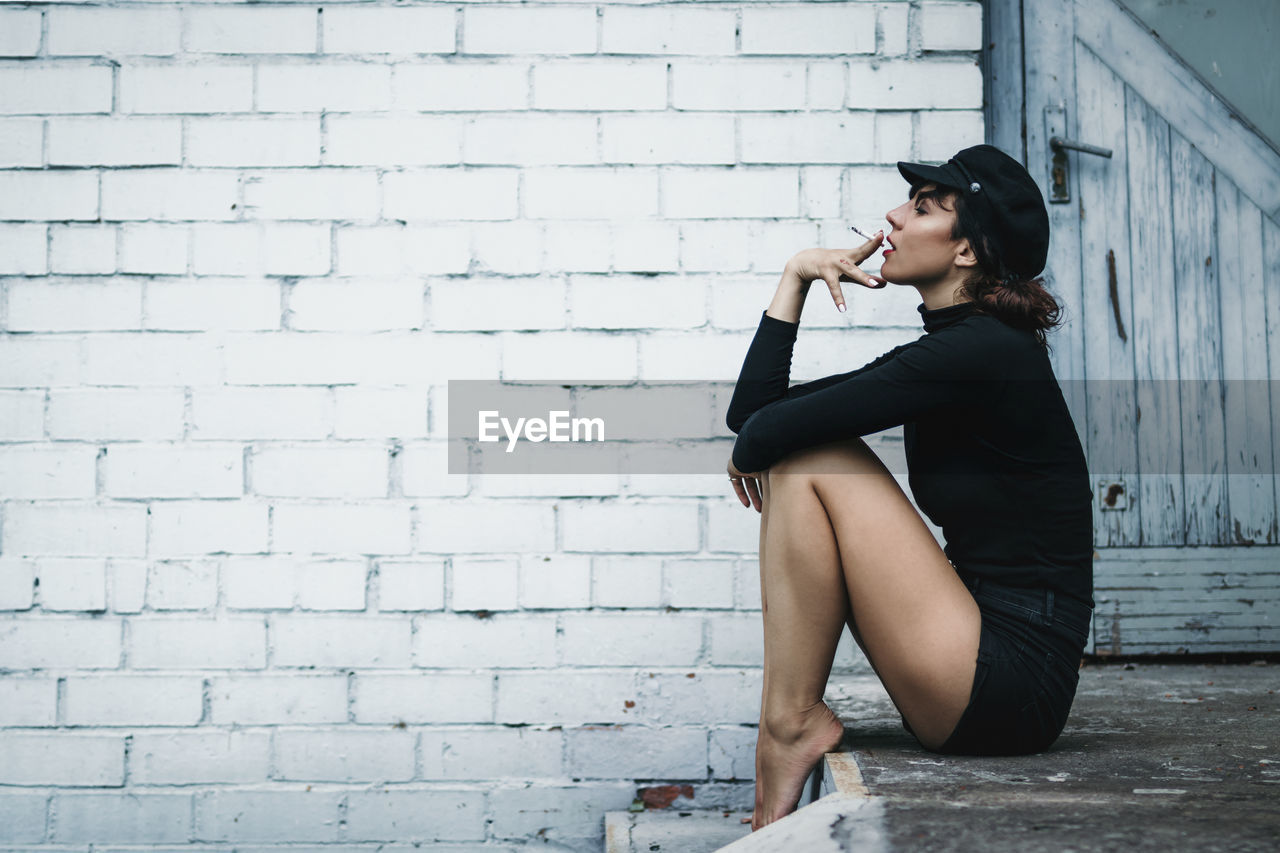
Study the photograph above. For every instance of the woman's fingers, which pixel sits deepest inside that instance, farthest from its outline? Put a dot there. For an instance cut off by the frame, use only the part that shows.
(753, 488)
(856, 274)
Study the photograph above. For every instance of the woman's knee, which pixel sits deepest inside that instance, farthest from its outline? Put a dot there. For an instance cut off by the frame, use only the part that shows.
(832, 457)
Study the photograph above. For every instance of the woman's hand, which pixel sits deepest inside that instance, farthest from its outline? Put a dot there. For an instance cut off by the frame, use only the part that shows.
(747, 485)
(836, 265)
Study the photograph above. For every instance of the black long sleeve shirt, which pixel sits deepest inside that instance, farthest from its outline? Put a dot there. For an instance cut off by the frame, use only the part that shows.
(993, 457)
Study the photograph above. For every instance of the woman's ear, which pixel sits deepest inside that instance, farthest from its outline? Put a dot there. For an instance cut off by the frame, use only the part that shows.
(965, 256)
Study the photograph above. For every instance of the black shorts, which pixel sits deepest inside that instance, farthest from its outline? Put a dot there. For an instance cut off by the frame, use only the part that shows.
(1027, 670)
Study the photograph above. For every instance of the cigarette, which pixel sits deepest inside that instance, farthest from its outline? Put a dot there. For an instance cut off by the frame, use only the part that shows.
(856, 231)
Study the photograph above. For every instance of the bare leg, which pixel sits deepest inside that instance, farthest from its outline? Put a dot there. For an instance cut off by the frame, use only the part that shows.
(842, 540)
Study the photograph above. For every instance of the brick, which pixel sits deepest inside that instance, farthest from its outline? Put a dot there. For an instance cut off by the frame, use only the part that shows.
(951, 26)
(67, 306)
(486, 304)
(380, 413)
(28, 701)
(126, 585)
(19, 32)
(399, 249)
(816, 138)
(286, 816)
(295, 698)
(647, 247)
(736, 639)
(257, 583)
(731, 753)
(599, 85)
(89, 250)
(150, 471)
(424, 697)
(273, 248)
(484, 753)
(388, 30)
(75, 530)
(699, 583)
(451, 194)
(339, 641)
(185, 758)
(621, 581)
(116, 700)
(530, 139)
(72, 584)
(333, 471)
(699, 698)
(171, 194)
(40, 361)
(690, 356)
(153, 247)
(211, 303)
(260, 413)
(135, 818)
(404, 585)
(894, 135)
(616, 639)
(555, 581)
(904, 84)
(468, 87)
(362, 306)
(23, 816)
(507, 29)
(944, 133)
(563, 814)
(62, 758)
(23, 249)
(569, 355)
(35, 195)
(59, 642)
(501, 641)
(336, 755)
(716, 246)
(341, 86)
(732, 193)
(731, 529)
(609, 752)
(312, 194)
(128, 358)
(591, 193)
(199, 527)
(668, 30)
(187, 642)
(342, 528)
(17, 585)
(825, 28)
(424, 471)
(894, 26)
(245, 141)
(827, 82)
(627, 526)
(447, 527)
(417, 815)
(729, 85)
(394, 140)
(183, 585)
(185, 89)
(39, 88)
(623, 302)
(107, 414)
(511, 248)
(47, 472)
(667, 138)
(332, 585)
(251, 30)
(22, 415)
(110, 32)
(558, 696)
(21, 139)
(483, 584)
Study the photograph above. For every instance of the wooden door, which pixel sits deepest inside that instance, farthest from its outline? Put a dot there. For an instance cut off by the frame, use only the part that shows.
(1167, 259)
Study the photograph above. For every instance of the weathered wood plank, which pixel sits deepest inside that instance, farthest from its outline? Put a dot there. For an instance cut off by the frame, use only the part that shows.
(1155, 338)
(1247, 406)
(1195, 285)
(1108, 303)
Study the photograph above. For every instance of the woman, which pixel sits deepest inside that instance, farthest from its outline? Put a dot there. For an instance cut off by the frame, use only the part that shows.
(977, 644)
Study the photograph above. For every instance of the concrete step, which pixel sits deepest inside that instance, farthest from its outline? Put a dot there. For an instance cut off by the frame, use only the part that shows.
(1154, 756)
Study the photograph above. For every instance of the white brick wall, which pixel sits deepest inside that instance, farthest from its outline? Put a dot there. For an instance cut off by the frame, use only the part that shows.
(243, 248)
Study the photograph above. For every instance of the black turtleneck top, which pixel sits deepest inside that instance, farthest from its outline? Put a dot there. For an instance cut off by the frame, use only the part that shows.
(993, 457)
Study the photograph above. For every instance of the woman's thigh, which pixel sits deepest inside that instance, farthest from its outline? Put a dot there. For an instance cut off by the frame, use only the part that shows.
(918, 623)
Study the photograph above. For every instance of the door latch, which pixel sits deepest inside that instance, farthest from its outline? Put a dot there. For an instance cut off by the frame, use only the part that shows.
(1055, 124)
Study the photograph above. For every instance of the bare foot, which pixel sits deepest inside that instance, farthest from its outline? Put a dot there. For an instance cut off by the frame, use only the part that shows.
(785, 757)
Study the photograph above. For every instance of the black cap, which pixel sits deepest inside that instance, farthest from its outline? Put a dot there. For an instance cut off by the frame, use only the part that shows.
(1004, 198)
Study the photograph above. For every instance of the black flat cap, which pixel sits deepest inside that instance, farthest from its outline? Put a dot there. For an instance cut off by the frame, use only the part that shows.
(1003, 196)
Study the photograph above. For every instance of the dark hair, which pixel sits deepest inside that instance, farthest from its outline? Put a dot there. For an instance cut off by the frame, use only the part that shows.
(1019, 301)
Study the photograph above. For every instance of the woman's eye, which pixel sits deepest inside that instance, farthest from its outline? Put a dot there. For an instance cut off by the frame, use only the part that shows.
(920, 210)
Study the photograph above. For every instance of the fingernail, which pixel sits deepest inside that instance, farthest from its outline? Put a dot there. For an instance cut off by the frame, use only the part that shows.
(841, 307)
